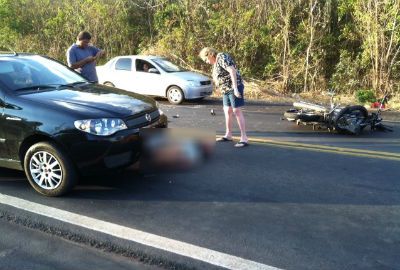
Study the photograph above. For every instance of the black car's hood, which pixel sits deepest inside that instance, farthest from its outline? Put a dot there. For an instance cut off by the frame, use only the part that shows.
(94, 101)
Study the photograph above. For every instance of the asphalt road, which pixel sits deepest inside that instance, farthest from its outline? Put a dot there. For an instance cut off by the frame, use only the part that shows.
(25, 248)
(294, 199)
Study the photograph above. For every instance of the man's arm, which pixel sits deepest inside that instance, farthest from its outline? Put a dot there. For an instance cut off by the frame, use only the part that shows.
(100, 53)
(82, 62)
(79, 64)
(74, 64)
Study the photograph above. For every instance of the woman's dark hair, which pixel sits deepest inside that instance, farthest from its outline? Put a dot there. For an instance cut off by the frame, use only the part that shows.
(84, 35)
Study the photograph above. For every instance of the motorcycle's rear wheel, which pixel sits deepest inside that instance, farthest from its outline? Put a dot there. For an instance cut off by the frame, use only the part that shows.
(345, 119)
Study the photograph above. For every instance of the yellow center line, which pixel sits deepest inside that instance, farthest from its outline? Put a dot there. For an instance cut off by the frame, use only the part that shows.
(328, 149)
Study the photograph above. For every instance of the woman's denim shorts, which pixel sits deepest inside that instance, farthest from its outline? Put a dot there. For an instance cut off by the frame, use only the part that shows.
(230, 100)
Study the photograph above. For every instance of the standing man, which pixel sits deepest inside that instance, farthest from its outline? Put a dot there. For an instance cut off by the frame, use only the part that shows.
(227, 78)
(82, 56)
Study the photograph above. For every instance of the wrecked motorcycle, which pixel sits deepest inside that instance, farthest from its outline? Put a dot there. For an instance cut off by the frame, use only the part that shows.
(344, 119)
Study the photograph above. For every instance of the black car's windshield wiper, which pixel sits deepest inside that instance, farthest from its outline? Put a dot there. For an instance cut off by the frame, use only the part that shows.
(73, 84)
(37, 87)
(49, 86)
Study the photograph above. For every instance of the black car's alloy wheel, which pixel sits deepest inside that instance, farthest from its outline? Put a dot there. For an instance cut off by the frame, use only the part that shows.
(49, 170)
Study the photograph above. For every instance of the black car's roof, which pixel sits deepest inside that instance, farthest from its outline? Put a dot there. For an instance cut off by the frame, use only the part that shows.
(16, 54)
(11, 53)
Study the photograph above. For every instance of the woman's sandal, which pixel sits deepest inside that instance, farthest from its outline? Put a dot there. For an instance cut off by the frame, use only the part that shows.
(241, 144)
(223, 139)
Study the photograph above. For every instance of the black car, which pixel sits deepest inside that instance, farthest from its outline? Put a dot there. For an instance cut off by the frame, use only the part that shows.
(55, 125)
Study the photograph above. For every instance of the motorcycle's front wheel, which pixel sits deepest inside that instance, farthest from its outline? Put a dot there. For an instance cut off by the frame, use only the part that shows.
(348, 120)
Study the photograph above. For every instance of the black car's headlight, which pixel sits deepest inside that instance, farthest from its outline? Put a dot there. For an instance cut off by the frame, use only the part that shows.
(100, 127)
(158, 107)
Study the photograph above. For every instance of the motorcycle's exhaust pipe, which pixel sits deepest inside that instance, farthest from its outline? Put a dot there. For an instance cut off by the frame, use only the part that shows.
(310, 106)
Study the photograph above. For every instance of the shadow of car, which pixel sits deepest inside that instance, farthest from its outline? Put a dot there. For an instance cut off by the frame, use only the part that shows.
(154, 76)
(55, 125)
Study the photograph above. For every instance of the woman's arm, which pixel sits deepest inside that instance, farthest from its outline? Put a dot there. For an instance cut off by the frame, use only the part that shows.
(232, 71)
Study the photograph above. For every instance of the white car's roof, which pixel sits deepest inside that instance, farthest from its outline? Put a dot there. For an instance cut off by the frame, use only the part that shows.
(144, 57)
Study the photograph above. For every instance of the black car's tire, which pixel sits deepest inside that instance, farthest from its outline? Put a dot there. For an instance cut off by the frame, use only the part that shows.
(340, 122)
(291, 115)
(49, 170)
(175, 95)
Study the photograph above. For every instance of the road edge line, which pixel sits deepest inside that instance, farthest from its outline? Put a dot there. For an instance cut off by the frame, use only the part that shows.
(159, 242)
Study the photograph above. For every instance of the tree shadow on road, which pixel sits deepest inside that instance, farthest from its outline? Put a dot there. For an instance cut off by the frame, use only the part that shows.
(260, 174)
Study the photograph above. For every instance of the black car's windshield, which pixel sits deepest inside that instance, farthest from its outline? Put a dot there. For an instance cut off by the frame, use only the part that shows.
(168, 66)
(32, 72)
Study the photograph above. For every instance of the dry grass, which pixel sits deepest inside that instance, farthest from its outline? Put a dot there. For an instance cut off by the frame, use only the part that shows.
(324, 98)
(258, 90)
(394, 103)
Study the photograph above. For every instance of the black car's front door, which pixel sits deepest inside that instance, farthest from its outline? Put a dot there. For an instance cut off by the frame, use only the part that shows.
(3, 148)
(11, 131)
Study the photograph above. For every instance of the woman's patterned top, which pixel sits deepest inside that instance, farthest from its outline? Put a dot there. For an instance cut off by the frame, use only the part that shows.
(221, 76)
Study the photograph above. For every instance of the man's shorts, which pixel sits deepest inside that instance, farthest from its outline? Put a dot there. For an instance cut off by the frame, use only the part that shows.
(230, 100)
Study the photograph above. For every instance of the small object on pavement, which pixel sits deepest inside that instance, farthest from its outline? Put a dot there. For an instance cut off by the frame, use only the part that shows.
(212, 112)
(175, 116)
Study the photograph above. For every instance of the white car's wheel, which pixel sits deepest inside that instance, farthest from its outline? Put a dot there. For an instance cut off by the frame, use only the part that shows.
(175, 95)
(49, 170)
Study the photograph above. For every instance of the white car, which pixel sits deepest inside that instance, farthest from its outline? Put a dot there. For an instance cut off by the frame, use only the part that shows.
(154, 76)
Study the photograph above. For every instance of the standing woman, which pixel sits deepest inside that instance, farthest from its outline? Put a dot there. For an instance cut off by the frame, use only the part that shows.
(227, 78)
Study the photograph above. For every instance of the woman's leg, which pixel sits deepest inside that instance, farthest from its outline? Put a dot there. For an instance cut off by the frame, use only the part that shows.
(228, 121)
(242, 124)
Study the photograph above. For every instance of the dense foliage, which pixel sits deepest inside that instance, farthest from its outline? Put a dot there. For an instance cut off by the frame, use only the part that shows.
(294, 45)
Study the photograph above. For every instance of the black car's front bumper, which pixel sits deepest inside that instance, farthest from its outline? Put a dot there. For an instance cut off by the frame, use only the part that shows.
(94, 154)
